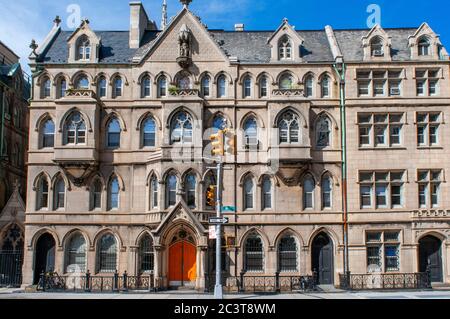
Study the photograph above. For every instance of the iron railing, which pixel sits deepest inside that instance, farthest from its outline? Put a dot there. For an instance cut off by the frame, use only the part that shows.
(11, 268)
(385, 281)
(277, 283)
(88, 283)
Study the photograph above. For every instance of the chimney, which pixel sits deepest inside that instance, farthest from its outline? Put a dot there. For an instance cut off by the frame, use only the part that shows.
(239, 27)
(139, 22)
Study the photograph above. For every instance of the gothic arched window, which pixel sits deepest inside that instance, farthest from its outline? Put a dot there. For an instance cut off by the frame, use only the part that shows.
(247, 86)
(82, 83)
(254, 254)
(113, 134)
(184, 83)
(62, 87)
(162, 86)
(327, 187)
(251, 133)
(263, 87)
(149, 133)
(181, 128)
(113, 193)
(107, 254)
(289, 128)
(267, 191)
(59, 194)
(424, 46)
(308, 193)
(171, 190)
(219, 123)
(206, 86)
(83, 48)
(285, 48)
(146, 86)
(118, 87)
(154, 186)
(249, 193)
(323, 132)
(325, 86)
(146, 254)
(376, 47)
(96, 195)
(76, 254)
(42, 193)
(190, 184)
(102, 87)
(75, 129)
(46, 88)
(222, 86)
(287, 254)
(309, 86)
(286, 82)
(47, 134)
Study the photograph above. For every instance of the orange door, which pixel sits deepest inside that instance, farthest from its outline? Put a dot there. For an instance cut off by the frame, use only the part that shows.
(182, 262)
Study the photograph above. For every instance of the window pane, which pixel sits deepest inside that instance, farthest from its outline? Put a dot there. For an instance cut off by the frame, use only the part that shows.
(287, 254)
(391, 254)
(254, 256)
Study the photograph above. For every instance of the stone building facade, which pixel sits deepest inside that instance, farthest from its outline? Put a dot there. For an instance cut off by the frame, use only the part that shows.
(120, 126)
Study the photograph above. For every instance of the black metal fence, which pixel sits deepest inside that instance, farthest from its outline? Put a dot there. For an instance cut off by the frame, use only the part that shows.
(383, 281)
(103, 283)
(277, 283)
(11, 268)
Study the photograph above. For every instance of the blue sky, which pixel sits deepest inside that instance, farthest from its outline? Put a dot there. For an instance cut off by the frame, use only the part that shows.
(23, 20)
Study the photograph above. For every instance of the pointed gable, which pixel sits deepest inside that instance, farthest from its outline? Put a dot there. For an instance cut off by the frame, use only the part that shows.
(436, 49)
(286, 31)
(377, 35)
(165, 46)
(84, 31)
(14, 210)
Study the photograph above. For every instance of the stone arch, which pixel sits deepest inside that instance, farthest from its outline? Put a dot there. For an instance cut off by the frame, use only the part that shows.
(207, 173)
(71, 233)
(245, 175)
(258, 119)
(330, 117)
(146, 115)
(183, 73)
(77, 75)
(273, 177)
(38, 178)
(58, 175)
(329, 232)
(145, 231)
(205, 73)
(119, 179)
(110, 116)
(43, 76)
(227, 75)
(97, 176)
(160, 74)
(434, 233)
(296, 112)
(287, 72)
(247, 74)
(328, 173)
(180, 109)
(219, 113)
(253, 230)
(330, 76)
(175, 226)
(100, 75)
(150, 175)
(170, 171)
(191, 171)
(59, 76)
(266, 74)
(288, 231)
(308, 173)
(116, 75)
(31, 243)
(86, 119)
(42, 119)
(107, 230)
(309, 74)
(144, 74)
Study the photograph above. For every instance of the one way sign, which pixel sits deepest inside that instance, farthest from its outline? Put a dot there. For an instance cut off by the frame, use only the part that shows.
(217, 220)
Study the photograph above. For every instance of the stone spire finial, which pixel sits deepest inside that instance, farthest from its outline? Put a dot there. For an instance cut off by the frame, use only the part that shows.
(164, 16)
(57, 21)
(185, 3)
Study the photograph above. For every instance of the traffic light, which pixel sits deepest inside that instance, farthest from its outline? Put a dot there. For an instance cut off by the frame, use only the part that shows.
(211, 196)
(231, 142)
(217, 142)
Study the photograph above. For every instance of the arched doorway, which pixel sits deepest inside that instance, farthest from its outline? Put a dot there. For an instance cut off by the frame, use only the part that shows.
(44, 256)
(322, 259)
(182, 260)
(430, 256)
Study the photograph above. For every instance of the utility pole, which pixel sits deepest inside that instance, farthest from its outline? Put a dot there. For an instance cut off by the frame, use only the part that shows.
(218, 289)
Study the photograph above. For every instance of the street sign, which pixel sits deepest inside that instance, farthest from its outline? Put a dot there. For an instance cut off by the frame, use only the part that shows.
(218, 221)
(212, 232)
(229, 209)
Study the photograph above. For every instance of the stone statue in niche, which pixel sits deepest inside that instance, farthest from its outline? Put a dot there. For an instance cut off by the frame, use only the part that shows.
(184, 40)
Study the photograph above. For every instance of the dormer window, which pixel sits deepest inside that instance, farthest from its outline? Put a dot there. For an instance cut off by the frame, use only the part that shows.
(424, 47)
(285, 48)
(376, 47)
(84, 49)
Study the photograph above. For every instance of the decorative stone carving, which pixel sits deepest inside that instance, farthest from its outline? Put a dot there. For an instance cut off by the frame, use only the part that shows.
(184, 41)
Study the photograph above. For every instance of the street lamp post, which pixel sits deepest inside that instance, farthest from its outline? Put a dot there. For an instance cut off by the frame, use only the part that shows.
(218, 289)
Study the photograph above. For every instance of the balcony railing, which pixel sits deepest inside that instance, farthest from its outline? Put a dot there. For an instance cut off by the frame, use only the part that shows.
(289, 92)
(184, 93)
(383, 281)
(83, 93)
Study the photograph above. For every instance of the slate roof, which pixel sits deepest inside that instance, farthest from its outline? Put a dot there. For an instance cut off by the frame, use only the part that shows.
(350, 43)
(247, 46)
